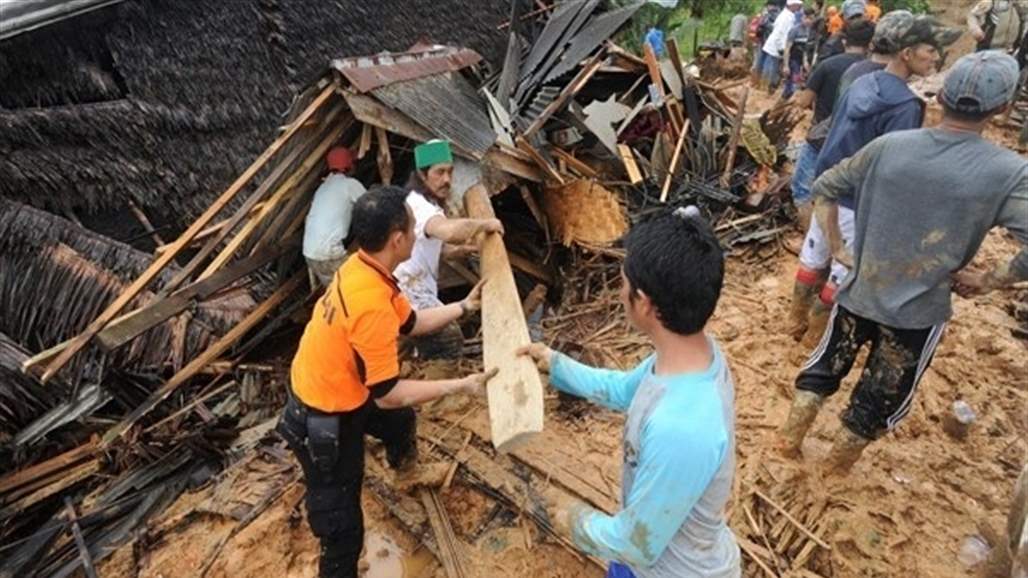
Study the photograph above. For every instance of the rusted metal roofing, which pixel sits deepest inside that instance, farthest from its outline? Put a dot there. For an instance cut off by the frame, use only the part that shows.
(367, 73)
(447, 106)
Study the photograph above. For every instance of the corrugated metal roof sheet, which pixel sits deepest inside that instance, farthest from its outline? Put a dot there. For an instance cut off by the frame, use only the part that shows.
(594, 34)
(445, 104)
(18, 16)
(367, 73)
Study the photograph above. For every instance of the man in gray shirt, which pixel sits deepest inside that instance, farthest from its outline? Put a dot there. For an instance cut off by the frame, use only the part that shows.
(925, 200)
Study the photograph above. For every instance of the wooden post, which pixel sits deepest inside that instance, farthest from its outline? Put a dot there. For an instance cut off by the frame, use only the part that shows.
(516, 393)
(165, 258)
(674, 164)
(733, 141)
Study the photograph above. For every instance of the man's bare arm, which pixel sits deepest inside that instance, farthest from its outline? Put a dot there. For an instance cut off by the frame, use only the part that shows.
(460, 231)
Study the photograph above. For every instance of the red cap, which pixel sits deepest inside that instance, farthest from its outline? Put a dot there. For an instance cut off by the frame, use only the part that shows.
(339, 159)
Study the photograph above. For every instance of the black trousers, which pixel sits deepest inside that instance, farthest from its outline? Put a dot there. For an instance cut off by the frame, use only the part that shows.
(895, 364)
(330, 449)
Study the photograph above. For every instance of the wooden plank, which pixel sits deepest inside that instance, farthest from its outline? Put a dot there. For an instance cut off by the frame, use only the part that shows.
(211, 354)
(628, 158)
(127, 328)
(733, 141)
(151, 272)
(516, 394)
(674, 165)
(576, 165)
(314, 157)
(365, 141)
(80, 542)
(21, 477)
(74, 476)
(449, 546)
(531, 268)
(576, 84)
(676, 60)
(502, 159)
(384, 158)
(653, 67)
(540, 160)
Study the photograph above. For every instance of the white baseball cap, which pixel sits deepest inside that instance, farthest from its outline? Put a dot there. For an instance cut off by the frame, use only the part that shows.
(794, 3)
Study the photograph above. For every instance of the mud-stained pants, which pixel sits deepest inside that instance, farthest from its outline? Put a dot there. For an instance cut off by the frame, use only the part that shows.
(885, 392)
(333, 467)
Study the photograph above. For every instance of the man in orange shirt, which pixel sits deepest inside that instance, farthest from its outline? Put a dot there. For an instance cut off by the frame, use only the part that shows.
(345, 379)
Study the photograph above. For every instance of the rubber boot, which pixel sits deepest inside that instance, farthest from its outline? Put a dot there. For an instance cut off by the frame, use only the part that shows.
(845, 451)
(804, 409)
(818, 322)
(803, 299)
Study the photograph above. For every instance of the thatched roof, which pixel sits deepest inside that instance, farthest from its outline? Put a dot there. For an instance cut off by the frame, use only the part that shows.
(55, 277)
(166, 102)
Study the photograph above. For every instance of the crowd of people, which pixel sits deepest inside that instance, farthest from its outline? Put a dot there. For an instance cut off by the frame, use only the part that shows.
(879, 262)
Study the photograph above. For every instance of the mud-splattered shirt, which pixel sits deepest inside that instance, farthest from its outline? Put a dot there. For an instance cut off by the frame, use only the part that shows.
(925, 201)
(679, 459)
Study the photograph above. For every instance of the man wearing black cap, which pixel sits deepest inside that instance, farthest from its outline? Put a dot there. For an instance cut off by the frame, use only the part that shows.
(925, 200)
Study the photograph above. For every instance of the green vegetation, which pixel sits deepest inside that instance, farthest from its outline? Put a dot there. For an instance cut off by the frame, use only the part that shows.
(708, 20)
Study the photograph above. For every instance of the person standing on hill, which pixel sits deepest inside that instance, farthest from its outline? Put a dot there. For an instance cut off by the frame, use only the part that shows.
(925, 200)
(997, 24)
(774, 46)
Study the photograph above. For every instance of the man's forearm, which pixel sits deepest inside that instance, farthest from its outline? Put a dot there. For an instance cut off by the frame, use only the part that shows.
(456, 231)
(409, 392)
(434, 319)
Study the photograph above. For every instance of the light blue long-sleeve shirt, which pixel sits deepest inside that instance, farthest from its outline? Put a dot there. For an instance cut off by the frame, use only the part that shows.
(679, 459)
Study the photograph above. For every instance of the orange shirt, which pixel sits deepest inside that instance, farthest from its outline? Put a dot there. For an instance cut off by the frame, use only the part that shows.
(350, 343)
(873, 12)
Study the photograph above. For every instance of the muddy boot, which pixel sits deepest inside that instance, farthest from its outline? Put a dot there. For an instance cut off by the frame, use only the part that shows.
(803, 298)
(845, 451)
(816, 325)
(428, 475)
(804, 409)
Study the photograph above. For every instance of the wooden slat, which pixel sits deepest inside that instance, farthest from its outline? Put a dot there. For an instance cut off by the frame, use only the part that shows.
(211, 354)
(122, 331)
(151, 272)
(516, 394)
(628, 158)
(674, 165)
(578, 166)
(733, 141)
(51, 465)
(449, 546)
(540, 160)
(74, 476)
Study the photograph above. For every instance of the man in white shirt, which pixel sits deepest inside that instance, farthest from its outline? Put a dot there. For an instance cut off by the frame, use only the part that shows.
(328, 220)
(774, 46)
(430, 188)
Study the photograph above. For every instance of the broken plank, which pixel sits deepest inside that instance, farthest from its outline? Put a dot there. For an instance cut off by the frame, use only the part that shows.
(516, 393)
(151, 272)
(539, 159)
(74, 476)
(120, 332)
(576, 165)
(674, 164)
(733, 141)
(21, 477)
(503, 159)
(449, 546)
(212, 353)
(80, 542)
(631, 167)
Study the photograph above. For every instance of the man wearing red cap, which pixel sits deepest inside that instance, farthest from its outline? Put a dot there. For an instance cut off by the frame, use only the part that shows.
(328, 220)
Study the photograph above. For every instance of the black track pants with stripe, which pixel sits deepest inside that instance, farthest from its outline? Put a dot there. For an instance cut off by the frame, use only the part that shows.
(895, 364)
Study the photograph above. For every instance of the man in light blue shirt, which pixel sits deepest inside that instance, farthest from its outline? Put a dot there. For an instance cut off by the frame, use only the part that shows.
(679, 441)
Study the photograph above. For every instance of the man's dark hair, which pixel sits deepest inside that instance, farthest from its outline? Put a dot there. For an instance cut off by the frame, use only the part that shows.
(677, 261)
(859, 32)
(967, 114)
(376, 215)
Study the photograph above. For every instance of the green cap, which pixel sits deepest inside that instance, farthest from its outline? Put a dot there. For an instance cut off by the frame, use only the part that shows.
(433, 152)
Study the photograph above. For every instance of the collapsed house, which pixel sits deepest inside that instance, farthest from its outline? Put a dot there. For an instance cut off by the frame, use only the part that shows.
(167, 366)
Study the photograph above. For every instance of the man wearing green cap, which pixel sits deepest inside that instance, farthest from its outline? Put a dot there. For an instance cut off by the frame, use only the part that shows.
(429, 187)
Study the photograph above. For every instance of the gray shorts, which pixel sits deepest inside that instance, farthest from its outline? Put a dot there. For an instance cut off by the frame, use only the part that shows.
(322, 270)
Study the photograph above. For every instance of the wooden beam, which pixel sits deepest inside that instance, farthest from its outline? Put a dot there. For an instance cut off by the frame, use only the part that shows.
(576, 165)
(151, 272)
(80, 542)
(631, 167)
(540, 160)
(22, 477)
(211, 354)
(384, 158)
(504, 160)
(674, 164)
(733, 141)
(122, 331)
(531, 268)
(576, 84)
(72, 477)
(516, 393)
